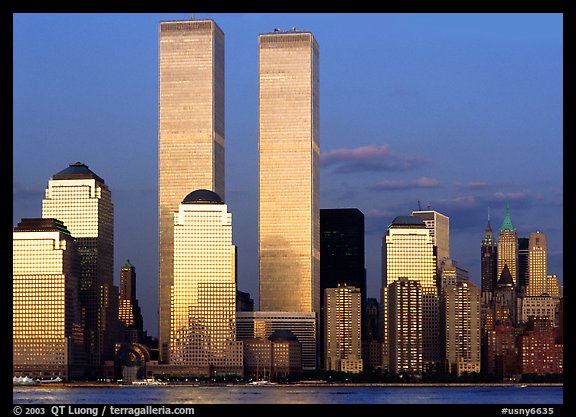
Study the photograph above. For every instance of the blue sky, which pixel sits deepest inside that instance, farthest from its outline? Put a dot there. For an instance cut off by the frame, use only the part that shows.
(460, 112)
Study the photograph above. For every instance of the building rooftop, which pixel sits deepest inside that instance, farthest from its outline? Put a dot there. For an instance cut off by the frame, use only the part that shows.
(410, 221)
(282, 335)
(76, 171)
(202, 197)
(41, 225)
(505, 277)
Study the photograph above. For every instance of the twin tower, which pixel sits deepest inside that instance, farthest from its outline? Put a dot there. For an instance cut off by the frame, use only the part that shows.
(192, 156)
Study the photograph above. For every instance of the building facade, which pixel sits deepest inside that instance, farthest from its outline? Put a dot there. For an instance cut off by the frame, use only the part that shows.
(508, 247)
(537, 265)
(261, 324)
(342, 255)
(342, 327)
(47, 333)
(129, 312)
(190, 133)
(460, 327)
(408, 251)
(203, 322)
(405, 334)
(83, 202)
(289, 148)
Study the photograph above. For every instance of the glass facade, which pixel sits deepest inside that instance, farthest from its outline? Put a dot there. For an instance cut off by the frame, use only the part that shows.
(289, 147)
(203, 296)
(82, 201)
(191, 133)
(46, 319)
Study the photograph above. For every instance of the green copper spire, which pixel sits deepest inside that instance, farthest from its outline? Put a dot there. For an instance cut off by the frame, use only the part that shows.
(507, 223)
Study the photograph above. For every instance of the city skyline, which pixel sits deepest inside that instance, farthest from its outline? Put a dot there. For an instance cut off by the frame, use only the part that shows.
(385, 170)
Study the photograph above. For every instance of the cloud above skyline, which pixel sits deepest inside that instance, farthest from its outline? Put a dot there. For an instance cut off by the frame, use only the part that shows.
(369, 158)
(392, 185)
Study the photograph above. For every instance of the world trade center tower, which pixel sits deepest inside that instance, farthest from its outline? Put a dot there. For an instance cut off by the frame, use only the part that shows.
(289, 139)
(190, 134)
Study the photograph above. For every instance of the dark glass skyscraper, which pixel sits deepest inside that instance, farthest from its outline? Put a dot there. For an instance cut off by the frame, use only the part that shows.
(128, 309)
(489, 263)
(342, 253)
(523, 274)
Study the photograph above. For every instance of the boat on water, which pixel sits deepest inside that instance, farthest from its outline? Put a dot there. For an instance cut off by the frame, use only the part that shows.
(23, 380)
(49, 381)
(148, 381)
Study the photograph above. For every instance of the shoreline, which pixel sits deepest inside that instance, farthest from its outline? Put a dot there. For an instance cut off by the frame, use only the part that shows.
(297, 384)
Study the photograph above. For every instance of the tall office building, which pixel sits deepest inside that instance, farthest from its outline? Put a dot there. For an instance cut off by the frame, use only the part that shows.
(408, 251)
(439, 226)
(203, 322)
(83, 202)
(523, 268)
(342, 255)
(460, 327)
(538, 265)
(508, 247)
(190, 136)
(405, 326)
(47, 334)
(342, 328)
(289, 192)
(129, 312)
(488, 263)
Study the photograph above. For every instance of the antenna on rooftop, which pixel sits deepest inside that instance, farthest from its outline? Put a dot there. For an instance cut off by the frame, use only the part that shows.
(419, 208)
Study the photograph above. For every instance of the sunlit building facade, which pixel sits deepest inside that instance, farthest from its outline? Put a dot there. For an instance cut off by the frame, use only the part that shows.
(190, 135)
(289, 148)
(203, 332)
(408, 251)
(342, 328)
(83, 202)
(261, 324)
(537, 265)
(47, 334)
(460, 327)
(508, 247)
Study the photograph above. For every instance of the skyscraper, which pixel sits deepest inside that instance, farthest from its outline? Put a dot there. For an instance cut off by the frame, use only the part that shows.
(523, 269)
(460, 327)
(203, 322)
(488, 263)
(47, 332)
(129, 312)
(342, 254)
(508, 247)
(538, 265)
(342, 328)
(289, 147)
(439, 226)
(408, 251)
(82, 201)
(405, 326)
(191, 133)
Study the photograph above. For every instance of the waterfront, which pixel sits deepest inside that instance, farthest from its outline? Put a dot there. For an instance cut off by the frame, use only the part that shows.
(288, 394)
